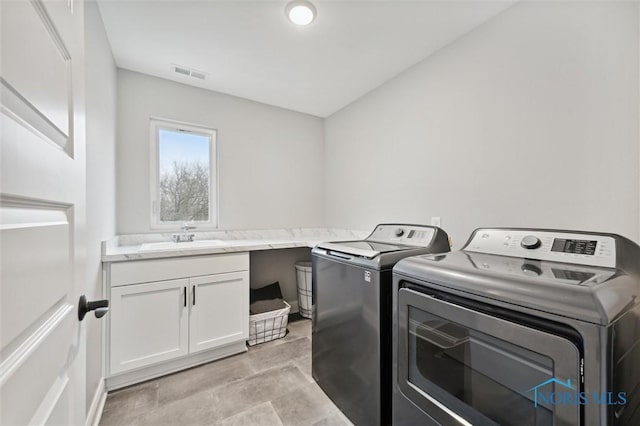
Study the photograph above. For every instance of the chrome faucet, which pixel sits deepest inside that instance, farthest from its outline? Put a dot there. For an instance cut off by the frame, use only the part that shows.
(185, 236)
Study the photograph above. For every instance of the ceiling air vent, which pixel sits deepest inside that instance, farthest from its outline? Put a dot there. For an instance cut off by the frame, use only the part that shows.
(188, 72)
(182, 71)
(197, 74)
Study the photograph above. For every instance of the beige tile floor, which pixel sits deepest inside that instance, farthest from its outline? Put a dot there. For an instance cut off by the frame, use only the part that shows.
(269, 385)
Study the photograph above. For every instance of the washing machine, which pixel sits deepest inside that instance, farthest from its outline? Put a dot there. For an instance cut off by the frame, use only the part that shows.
(520, 327)
(352, 305)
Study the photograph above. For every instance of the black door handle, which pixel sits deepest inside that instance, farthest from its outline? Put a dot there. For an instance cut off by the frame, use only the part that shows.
(194, 295)
(101, 307)
(184, 294)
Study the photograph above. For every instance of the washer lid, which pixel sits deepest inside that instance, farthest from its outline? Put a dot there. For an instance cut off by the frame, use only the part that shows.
(367, 249)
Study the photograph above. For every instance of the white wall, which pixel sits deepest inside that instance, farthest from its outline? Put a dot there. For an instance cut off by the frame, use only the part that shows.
(270, 159)
(101, 125)
(532, 119)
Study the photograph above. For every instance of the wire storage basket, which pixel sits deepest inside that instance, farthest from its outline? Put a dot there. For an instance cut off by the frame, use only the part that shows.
(269, 325)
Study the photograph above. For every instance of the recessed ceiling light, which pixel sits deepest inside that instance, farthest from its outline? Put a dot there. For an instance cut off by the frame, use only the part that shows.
(300, 12)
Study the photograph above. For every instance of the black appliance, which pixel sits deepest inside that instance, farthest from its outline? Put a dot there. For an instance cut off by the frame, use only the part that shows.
(352, 305)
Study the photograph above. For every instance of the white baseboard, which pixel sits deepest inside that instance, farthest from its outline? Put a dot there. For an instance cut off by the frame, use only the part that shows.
(97, 405)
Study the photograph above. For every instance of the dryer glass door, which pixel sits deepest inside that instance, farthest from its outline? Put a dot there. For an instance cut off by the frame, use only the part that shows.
(463, 366)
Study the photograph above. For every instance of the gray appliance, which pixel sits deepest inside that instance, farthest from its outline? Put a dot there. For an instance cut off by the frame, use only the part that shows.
(520, 327)
(352, 305)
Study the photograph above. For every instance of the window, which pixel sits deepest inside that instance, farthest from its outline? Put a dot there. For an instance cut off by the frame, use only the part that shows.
(183, 175)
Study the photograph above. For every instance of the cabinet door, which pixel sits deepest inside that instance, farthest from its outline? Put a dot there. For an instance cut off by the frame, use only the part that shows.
(149, 324)
(219, 310)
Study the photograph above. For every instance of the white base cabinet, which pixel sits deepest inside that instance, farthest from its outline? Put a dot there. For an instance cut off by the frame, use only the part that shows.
(181, 320)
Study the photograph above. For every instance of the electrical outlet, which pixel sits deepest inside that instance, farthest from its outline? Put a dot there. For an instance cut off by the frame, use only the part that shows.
(435, 221)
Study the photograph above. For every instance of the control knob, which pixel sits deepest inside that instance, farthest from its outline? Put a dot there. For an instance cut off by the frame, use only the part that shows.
(399, 232)
(531, 242)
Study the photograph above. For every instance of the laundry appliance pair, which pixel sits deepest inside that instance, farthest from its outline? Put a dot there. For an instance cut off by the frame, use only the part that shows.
(520, 327)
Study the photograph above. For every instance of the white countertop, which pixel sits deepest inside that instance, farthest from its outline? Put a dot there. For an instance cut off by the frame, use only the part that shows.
(140, 246)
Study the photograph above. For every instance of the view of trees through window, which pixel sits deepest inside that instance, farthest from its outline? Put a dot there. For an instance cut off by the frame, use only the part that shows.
(184, 172)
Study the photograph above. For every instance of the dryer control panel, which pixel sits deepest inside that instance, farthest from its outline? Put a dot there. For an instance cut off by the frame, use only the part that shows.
(555, 246)
(412, 235)
(566, 274)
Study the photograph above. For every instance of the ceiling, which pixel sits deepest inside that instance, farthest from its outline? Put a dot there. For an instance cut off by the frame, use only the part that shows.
(249, 48)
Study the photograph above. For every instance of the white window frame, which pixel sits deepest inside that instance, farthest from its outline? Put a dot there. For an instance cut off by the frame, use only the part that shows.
(154, 206)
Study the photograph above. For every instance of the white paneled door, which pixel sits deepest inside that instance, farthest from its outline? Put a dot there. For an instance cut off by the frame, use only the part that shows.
(42, 209)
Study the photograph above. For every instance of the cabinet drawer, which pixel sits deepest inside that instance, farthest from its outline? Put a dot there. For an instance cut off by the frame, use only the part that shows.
(142, 271)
